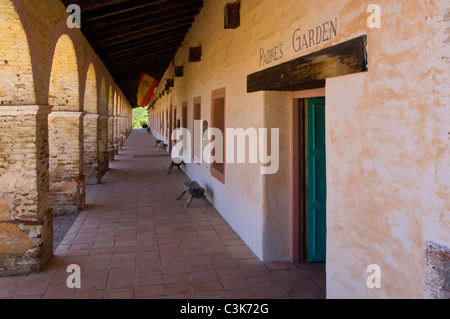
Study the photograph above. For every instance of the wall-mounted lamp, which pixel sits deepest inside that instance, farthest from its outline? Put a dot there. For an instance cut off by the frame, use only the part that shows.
(195, 54)
(232, 15)
(179, 71)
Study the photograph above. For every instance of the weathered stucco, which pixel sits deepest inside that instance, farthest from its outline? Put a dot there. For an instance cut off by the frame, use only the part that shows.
(387, 133)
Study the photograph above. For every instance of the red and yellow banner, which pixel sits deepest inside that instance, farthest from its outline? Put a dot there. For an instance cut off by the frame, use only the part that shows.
(146, 90)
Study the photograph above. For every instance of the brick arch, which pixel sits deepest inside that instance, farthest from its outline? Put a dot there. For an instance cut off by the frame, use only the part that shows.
(67, 180)
(64, 85)
(111, 101)
(63, 69)
(103, 157)
(18, 56)
(103, 99)
(90, 91)
(116, 99)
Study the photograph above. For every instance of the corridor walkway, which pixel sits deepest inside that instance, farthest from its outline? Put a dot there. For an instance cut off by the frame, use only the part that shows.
(135, 240)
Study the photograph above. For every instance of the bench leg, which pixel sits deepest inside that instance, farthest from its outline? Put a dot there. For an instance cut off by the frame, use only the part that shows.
(189, 201)
(182, 194)
(170, 168)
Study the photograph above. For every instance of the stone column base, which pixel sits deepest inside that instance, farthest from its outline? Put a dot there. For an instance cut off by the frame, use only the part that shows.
(26, 223)
(67, 181)
(90, 152)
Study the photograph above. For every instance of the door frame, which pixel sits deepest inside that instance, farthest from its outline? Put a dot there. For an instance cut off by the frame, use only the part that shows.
(298, 209)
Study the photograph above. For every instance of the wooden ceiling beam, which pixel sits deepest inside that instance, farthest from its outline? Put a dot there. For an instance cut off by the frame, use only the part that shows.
(145, 15)
(140, 34)
(169, 35)
(128, 6)
(141, 45)
(139, 63)
(131, 36)
(147, 49)
(87, 6)
(137, 26)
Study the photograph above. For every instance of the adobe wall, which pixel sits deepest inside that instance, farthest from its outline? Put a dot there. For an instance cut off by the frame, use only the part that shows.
(387, 133)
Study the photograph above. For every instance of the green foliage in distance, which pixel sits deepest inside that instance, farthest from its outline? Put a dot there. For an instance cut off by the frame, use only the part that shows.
(140, 117)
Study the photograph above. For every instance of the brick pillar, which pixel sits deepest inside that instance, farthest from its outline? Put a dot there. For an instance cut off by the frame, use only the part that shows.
(67, 182)
(26, 230)
(111, 138)
(116, 134)
(91, 147)
(128, 125)
(122, 132)
(103, 157)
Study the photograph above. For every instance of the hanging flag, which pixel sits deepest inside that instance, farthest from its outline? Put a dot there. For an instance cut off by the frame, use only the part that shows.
(146, 90)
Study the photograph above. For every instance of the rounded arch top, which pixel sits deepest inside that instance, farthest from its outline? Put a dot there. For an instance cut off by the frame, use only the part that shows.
(90, 91)
(111, 101)
(64, 77)
(17, 85)
(103, 100)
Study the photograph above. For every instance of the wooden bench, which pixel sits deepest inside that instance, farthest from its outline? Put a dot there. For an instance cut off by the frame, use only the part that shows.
(194, 190)
(158, 142)
(163, 147)
(177, 165)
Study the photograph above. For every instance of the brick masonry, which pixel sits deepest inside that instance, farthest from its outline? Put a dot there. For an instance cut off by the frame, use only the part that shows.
(437, 271)
(91, 149)
(46, 160)
(103, 158)
(67, 181)
(110, 138)
(25, 221)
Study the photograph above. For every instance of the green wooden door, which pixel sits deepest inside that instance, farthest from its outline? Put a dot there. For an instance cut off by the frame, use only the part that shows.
(317, 181)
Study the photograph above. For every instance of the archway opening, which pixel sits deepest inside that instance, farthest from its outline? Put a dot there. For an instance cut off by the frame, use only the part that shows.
(67, 182)
(91, 129)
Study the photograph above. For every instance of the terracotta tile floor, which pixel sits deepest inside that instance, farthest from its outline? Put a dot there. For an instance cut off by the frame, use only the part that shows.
(135, 240)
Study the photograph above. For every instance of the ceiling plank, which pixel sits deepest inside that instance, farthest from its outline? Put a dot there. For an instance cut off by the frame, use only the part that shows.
(142, 33)
(131, 36)
(143, 15)
(137, 26)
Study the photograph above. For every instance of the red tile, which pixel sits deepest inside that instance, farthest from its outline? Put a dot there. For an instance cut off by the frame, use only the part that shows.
(89, 294)
(304, 295)
(201, 267)
(149, 280)
(129, 271)
(28, 297)
(207, 286)
(238, 283)
(267, 281)
(174, 268)
(230, 274)
(176, 278)
(272, 292)
(204, 276)
(124, 293)
(32, 289)
(149, 291)
(303, 284)
(186, 296)
(173, 260)
(249, 293)
(178, 289)
(65, 295)
(125, 282)
(214, 295)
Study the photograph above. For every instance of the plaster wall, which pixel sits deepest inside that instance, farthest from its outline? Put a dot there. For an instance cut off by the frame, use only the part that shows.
(388, 158)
